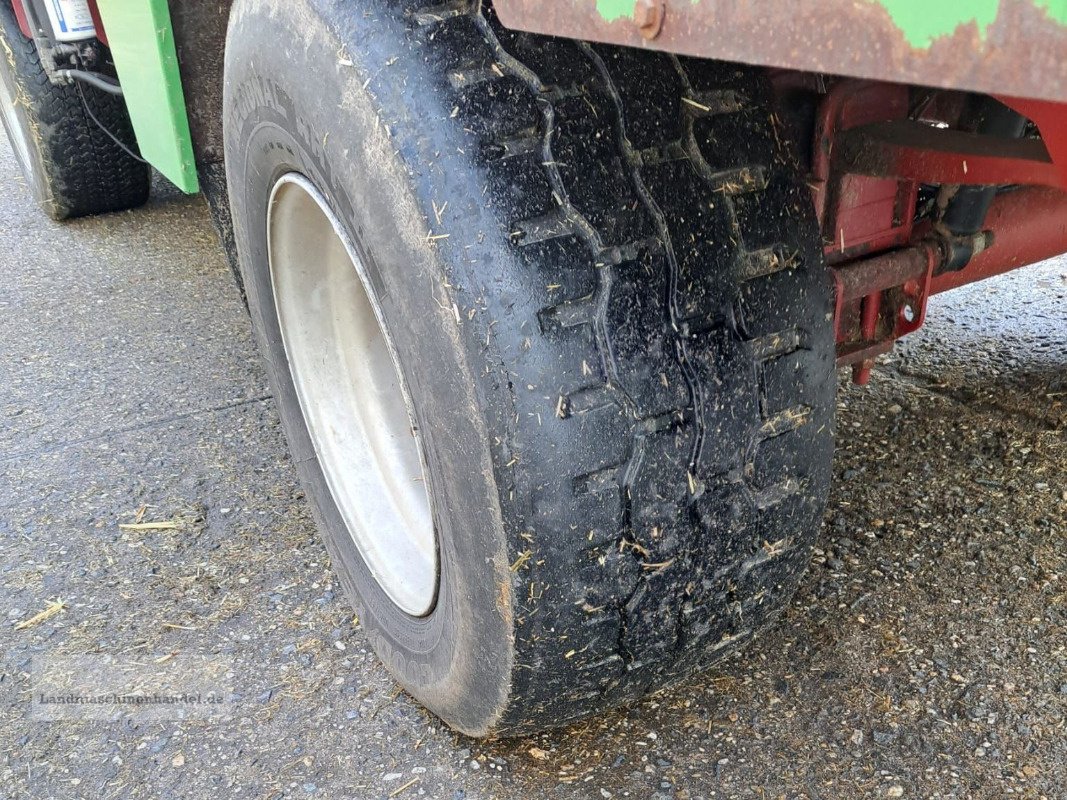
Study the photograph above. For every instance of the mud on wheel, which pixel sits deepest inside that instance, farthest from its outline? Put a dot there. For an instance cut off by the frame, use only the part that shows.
(591, 285)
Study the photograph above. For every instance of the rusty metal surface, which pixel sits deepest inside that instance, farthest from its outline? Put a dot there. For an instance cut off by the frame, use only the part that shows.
(1022, 52)
(858, 279)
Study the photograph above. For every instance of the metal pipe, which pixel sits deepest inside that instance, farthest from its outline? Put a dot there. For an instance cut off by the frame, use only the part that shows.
(1029, 225)
(965, 213)
(858, 279)
(102, 82)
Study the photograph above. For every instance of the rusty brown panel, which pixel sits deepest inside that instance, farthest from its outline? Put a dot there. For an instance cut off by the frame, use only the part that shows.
(1022, 53)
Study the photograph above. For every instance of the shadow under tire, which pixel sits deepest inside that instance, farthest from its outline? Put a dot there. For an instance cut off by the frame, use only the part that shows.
(72, 166)
(602, 280)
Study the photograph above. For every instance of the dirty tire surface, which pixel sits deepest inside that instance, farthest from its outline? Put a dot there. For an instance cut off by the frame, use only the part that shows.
(75, 168)
(616, 248)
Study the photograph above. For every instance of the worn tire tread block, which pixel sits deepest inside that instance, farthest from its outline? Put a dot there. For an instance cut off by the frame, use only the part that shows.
(692, 293)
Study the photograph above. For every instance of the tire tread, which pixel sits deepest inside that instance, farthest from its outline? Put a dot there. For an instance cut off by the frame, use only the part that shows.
(624, 612)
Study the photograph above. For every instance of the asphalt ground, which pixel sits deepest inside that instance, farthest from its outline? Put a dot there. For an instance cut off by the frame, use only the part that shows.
(925, 654)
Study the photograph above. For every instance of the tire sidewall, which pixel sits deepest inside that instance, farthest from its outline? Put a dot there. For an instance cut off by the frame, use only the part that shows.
(456, 660)
(11, 63)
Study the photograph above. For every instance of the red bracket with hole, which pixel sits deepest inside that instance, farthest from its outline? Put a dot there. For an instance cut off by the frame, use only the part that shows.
(870, 155)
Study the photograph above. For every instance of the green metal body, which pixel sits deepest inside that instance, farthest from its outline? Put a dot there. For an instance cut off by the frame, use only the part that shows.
(142, 44)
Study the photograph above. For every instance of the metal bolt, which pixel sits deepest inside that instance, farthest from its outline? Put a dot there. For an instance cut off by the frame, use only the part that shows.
(649, 14)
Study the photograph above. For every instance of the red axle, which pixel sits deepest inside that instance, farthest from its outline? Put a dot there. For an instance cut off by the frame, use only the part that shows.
(1028, 225)
(882, 298)
(872, 150)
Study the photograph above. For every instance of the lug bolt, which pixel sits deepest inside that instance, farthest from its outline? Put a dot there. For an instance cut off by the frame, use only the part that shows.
(649, 14)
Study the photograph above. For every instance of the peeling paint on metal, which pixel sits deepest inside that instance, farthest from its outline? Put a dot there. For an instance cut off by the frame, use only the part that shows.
(612, 10)
(921, 21)
(1007, 47)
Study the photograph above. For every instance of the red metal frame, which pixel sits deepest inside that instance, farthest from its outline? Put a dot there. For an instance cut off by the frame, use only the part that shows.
(859, 214)
(870, 157)
(912, 150)
(1029, 225)
(98, 23)
(1020, 52)
(20, 15)
(1051, 120)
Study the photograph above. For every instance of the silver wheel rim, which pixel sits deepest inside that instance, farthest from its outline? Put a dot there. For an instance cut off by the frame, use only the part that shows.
(352, 396)
(15, 134)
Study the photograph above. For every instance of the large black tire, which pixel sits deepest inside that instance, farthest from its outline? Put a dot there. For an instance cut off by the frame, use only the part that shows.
(71, 165)
(620, 358)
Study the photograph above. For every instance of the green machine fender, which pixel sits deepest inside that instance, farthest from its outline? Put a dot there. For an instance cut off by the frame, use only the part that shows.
(142, 43)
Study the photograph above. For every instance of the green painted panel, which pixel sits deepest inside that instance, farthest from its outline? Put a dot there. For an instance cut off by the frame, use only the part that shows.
(612, 10)
(142, 43)
(923, 21)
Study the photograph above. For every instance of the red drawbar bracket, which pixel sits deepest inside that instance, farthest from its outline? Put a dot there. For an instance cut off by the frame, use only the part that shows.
(873, 148)
(883, 298)
(879, 300)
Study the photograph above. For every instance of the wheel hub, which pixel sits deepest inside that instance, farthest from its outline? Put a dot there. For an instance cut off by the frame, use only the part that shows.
(351, 393)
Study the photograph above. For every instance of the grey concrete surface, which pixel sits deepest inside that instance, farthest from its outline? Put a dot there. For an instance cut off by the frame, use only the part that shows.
(925, 654)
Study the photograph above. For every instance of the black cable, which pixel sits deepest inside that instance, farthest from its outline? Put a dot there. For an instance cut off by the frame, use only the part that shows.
(102, 82)
(101, 126)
